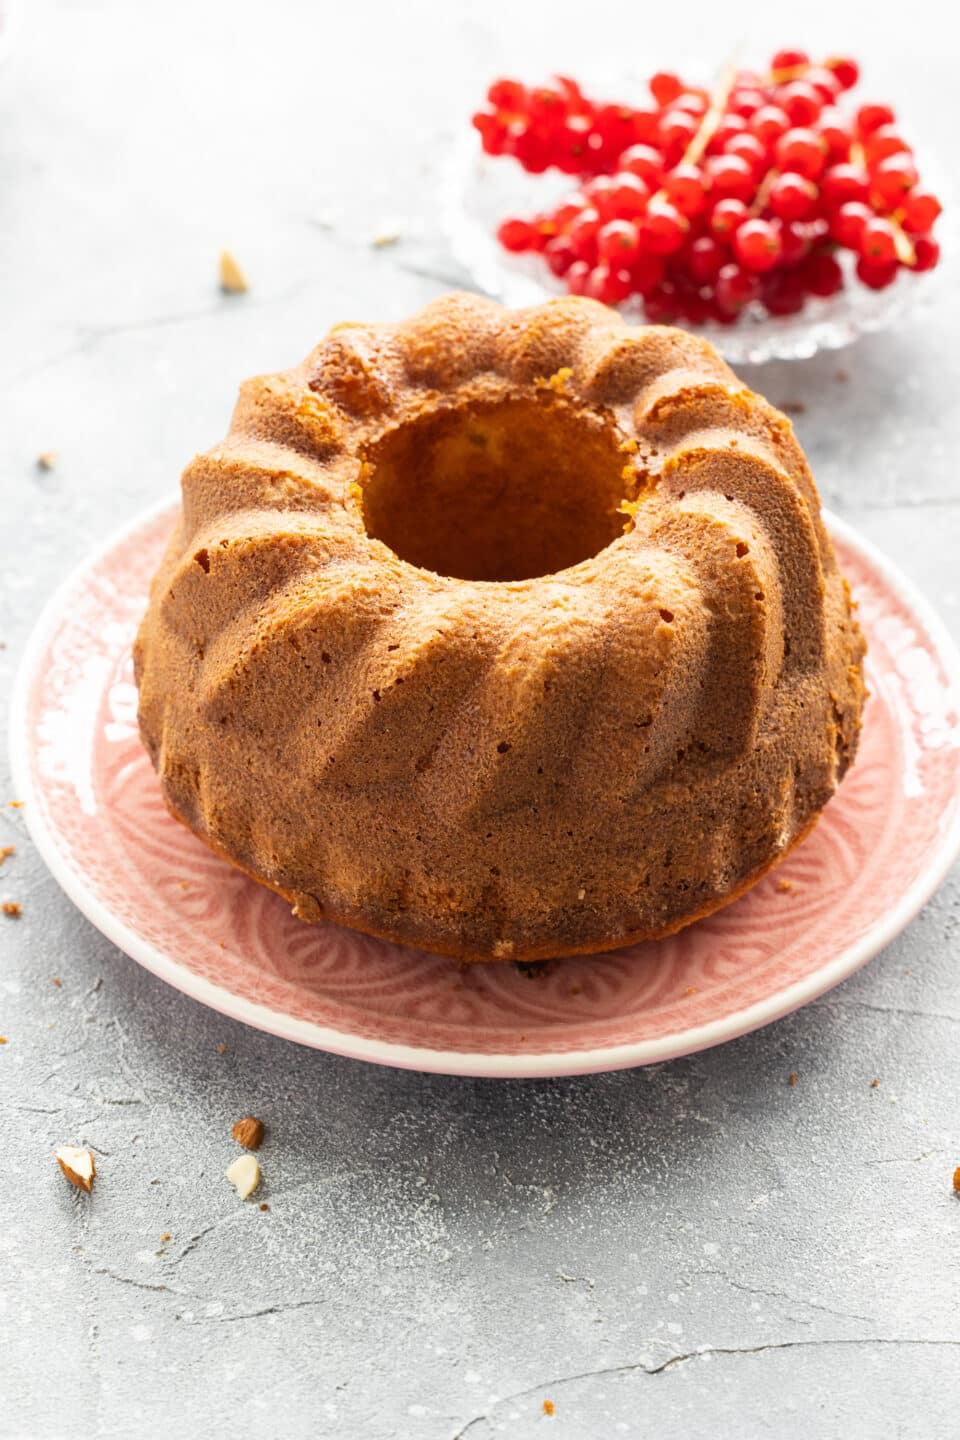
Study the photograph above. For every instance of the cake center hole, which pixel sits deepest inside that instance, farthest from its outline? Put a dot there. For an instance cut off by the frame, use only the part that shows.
(504, 491)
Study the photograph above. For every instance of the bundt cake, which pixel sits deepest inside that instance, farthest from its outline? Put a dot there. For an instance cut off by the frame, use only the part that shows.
(502, 634)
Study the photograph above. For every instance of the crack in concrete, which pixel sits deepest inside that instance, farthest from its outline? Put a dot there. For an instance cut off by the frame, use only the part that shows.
(280, 1308)
(784, 1295)
(137, 1284)
(674, 1361)
(886, 1010)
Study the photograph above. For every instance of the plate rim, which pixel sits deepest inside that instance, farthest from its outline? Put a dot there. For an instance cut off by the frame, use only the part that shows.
(499, 1065)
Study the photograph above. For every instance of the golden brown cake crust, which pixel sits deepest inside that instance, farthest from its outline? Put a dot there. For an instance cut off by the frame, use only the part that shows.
(502, 634)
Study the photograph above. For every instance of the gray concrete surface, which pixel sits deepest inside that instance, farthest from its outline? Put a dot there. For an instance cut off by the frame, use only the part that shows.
(691, 1250)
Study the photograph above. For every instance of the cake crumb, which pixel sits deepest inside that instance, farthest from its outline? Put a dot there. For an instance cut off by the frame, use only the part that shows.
(221, 1049)
(47, 459)
(690, 990)
(6, 850)
(232, 279)
(548, 1407)
(386, 237)
(15, 804)
(57, 981)
(165, 1237)
(11, 908)
(956, 1180)
(558, 381)
(785, 886)
(874, 1084)
(793, 1078)
(841, 376)
(264, 1205)
(3, 1040)
(581, 893)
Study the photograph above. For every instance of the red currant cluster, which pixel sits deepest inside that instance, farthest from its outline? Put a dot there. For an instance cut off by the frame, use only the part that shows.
(703, 204)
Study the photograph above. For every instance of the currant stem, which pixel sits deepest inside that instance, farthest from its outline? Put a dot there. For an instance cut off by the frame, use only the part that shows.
(711, 119)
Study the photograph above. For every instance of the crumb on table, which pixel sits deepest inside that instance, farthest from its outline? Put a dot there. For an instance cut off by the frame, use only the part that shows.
(11, 908)
(793, 1078)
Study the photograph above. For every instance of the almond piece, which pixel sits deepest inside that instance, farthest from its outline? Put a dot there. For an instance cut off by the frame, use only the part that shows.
(248, 1132)
(78, 1165)
(244, 1174)
(232, 278)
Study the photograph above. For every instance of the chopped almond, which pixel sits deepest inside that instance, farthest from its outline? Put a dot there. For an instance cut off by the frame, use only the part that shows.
(78, 1166)
(248, 1132)
(232, 278)
(244, 1174)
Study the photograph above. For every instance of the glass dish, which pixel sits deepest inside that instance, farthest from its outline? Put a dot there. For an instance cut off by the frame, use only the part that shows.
(479, 191)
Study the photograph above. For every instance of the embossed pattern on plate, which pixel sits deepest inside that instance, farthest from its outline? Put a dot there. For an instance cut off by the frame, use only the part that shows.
(95, 810)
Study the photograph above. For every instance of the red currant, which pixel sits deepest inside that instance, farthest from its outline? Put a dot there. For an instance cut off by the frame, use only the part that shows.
(705, 258)
(493, 133)
(920, 212)
(789, 60)
(801, 150)
(757, 245)
(508, 95)
(644, 162)
(629, 195)
(618, 243)
(801, 101)
(885, 141)
(735, 288)
(848, 222)
(660, 306)
(731, 177)
(685, 186)
(841, 183)
(878, 242)
(693, 101)
(824, 81)
(792, 197)
(822, 274)
(847, 71)
(878, 277)
(531, 148)
(600, 194)
(663, 228)
(746, 102)
(665, 87)
(749, 148)
(794, 241)
(608, 285)
(560, 254)
(926, 252)
(783, 293)
(729, 126)
(547, 104)
(676, 129)
(893, 178)
(871, 117)
(582, 233)
(836, 132)
(769, 123)
(647, 272)
(577, 277)
(516, 235)
(726, 218)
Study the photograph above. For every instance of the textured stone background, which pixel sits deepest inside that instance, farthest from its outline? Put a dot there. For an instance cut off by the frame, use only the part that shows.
(694, 1249)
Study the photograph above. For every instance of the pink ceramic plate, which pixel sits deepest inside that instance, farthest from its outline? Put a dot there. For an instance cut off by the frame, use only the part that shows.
(94, 809)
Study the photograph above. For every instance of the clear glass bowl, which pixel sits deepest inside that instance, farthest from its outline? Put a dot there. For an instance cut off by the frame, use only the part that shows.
(479, 191)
